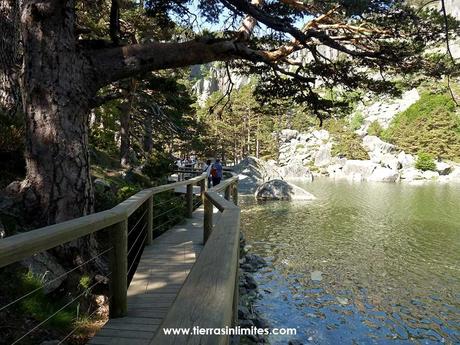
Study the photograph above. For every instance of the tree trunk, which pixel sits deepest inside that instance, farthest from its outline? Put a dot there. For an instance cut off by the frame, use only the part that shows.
(56, 101)
(10, 93)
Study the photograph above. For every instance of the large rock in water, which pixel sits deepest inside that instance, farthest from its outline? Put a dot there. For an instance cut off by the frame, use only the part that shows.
(282, 190)
(252, 172)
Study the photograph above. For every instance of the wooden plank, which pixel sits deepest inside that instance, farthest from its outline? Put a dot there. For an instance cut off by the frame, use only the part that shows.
(206, 299)
(117, 333)
(133, 320)
(130, 327)
(117, 341)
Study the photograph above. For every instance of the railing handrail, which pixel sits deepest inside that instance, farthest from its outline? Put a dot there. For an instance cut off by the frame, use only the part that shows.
(208, 298)
(20, 246)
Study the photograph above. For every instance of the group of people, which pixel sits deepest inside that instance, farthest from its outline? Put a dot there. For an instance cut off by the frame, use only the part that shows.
(213, 172)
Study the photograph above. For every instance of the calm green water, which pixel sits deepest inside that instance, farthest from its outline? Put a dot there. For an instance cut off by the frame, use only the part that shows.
(389, 257)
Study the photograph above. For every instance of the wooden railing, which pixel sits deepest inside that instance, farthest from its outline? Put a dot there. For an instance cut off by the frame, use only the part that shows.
(209, 296)
(24, 245)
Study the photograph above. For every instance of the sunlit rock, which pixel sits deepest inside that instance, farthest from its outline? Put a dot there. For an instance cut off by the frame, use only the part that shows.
(282, 190)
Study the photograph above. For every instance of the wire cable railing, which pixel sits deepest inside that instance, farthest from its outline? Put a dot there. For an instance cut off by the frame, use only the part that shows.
(132, 221)
(54, 280)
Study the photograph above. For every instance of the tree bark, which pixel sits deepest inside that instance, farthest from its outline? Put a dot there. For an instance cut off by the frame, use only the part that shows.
(10, 93)
(56, 100)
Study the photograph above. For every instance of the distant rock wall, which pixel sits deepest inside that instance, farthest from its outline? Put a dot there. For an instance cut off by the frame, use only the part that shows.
(386, 163)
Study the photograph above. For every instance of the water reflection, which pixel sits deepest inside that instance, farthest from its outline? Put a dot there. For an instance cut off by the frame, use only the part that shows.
(389, 257)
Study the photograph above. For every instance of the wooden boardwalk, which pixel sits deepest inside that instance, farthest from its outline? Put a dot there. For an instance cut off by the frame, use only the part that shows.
(161, 272)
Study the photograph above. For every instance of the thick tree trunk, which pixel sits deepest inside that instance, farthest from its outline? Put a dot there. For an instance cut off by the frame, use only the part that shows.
(56, 103)
(10, 93)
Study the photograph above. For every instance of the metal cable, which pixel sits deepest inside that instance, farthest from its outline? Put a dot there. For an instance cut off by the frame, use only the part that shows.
(137, 223)
(137, 254)
(169, 200)
(137, 238)
(57, 278)
(166, 212)
(56, 312)
(76, 328)
(168, 221)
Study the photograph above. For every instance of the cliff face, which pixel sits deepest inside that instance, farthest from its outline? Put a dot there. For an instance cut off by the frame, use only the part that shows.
(212, 78)
(452, 7)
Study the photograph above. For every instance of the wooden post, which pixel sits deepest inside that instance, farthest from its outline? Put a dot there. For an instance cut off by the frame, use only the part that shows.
(150, 221)
(228, 191)
(119, 269)
(236, 292)
(207, 221)
(235, 192)
(189, 198)
(203, 189)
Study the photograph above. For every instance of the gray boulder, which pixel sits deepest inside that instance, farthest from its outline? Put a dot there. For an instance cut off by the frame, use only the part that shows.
(455, 174)
(372, 143)
(101, 182)
(323, 156)
(382, 174)
(295, 170)
(406, 160)
(357, 169)
(443, 168)
(411, 174)
(282, 190)
(321, 135)
(46, 268)
(287, 135)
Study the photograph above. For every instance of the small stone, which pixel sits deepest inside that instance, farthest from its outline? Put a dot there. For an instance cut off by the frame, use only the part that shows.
(316, 276)
(342, 300)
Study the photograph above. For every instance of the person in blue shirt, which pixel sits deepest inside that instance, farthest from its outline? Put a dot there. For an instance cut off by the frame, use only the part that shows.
(216, 172)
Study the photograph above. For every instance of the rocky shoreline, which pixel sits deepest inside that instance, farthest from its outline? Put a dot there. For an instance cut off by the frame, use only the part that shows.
(313, 151)
(248, 294)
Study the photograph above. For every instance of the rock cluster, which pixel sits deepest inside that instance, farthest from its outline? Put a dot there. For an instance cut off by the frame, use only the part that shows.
(384, 110)
(248, 293)
(385, 163)
(282, 190)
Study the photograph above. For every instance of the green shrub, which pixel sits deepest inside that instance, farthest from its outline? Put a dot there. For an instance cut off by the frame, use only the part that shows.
(425, 162)
(127, 191)
(357, 121)
(346, 142)
(375, 129)
(299, 147)
(430, 125)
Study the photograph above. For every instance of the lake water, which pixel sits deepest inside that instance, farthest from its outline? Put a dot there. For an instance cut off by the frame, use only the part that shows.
(365, 263)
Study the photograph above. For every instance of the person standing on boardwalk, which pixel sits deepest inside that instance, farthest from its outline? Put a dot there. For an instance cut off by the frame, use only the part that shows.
(216, 172)
(207, 169)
